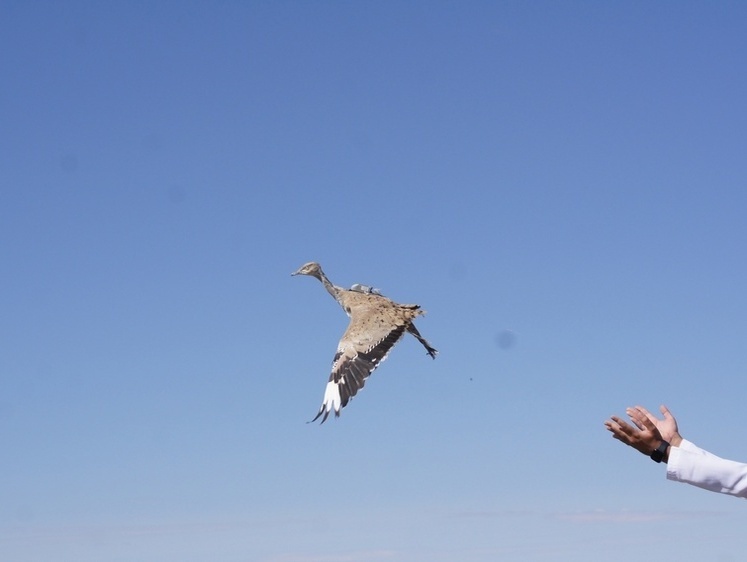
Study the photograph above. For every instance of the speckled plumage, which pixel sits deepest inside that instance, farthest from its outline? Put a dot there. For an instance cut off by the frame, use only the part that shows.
(376, 324)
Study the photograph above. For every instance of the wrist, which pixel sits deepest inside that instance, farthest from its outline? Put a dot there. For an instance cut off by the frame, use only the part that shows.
(661, 452)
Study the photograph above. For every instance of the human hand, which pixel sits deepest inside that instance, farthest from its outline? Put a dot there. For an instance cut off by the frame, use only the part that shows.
(644, 437)
(667, 426)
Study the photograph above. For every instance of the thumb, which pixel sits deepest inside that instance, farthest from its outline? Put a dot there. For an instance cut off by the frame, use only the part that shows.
(666, 413)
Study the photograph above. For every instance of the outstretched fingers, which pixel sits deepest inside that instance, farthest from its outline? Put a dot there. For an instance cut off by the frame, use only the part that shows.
(619, 428)
(642, 418)
(646, 413)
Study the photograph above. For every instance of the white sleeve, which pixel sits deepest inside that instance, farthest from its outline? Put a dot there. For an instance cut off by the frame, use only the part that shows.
(693, 465)
(686, 445)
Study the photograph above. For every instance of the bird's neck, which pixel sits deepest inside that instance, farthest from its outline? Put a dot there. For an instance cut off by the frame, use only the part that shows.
(331, 289)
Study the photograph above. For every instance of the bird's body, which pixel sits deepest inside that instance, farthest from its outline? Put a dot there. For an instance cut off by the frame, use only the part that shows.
(376, 324)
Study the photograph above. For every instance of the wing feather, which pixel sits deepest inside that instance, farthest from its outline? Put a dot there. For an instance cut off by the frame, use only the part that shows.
(355, 360)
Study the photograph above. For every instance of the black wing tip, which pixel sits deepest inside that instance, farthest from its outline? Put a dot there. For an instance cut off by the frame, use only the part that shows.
(324, 411)
(324, 419)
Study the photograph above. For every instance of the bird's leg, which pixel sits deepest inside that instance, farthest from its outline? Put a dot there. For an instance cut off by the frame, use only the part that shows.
(414, 331)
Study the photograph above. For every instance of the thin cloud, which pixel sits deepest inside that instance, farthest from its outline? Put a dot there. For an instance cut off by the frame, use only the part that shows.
(358, 556)
(596, 515)
(490, 514)
(627, 516)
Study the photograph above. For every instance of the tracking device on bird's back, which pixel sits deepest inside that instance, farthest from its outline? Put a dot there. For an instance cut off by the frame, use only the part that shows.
(658, 454)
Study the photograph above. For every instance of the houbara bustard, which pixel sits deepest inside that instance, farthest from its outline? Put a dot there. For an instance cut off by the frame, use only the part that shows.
(376, 324)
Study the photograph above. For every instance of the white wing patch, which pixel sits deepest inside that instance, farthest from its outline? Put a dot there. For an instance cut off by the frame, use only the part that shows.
(351, 369)
(332, 400)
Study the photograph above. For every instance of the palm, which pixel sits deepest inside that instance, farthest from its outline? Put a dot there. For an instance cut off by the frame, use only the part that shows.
(667, 426)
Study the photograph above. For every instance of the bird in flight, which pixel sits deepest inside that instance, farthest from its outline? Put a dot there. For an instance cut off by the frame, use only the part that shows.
(376, 324)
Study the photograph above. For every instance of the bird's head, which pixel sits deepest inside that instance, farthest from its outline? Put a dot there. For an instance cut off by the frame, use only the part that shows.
(312, 268)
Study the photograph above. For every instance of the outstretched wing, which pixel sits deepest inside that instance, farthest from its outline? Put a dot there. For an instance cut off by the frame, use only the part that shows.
(355, 360)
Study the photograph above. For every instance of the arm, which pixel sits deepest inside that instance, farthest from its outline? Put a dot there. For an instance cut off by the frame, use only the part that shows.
(692, 465)
(686, 462)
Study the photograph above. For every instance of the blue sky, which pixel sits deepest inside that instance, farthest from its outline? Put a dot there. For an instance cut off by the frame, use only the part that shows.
(560, 185)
